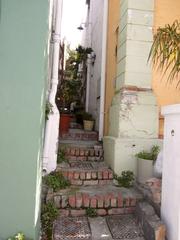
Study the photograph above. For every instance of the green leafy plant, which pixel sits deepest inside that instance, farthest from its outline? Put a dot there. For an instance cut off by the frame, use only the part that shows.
(56, 181)
(72, 86)
(69, 91)
(91, 212)
(61, 156)
(87, 116)
(48, 214)
(152, 155)
(48, 110)
(75, 57)
(165, 51)
(82, 53)
(126, 179)
(79, 116)
(18, 236)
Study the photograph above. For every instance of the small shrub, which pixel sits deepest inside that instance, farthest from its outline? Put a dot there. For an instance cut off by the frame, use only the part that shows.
(79, 116)
(48, 214)
(87, 116)
(126, 179)
(18, 236)
(61, 156)
(152, 155)
(91, 212)
(56, 181)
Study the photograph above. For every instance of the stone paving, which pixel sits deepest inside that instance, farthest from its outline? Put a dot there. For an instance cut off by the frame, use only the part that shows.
(122, 227)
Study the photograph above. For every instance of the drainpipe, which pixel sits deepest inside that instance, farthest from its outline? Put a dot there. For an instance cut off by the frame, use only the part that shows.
(88, 43)
(103, 70)
(52, 124)
(88, 81)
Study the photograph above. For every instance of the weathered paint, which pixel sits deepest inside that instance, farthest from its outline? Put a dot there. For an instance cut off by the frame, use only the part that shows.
(23, 74)
(112, 40)
(165, 13)
(128, 121)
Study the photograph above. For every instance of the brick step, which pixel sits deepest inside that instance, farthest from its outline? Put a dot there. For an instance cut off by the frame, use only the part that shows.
(80, 135)
(75, 125)
(77, 143)
(80, 173)
(106, 200)
(84, 154)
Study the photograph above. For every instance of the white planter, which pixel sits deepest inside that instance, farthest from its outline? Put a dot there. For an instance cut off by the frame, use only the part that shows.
(144, 170)
(88, 125)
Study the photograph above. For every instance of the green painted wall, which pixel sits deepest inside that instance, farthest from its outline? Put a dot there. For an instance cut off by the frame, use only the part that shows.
(24, 32)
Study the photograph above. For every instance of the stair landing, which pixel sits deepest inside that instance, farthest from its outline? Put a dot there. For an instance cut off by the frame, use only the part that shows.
(112, 227)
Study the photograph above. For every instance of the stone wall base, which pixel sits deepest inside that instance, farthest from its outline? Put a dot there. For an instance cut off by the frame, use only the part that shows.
(119, 153)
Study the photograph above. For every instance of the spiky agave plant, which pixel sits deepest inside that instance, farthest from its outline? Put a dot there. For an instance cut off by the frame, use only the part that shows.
(165, 51)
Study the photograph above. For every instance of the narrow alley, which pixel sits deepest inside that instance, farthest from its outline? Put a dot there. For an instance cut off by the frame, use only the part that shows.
(90, 112)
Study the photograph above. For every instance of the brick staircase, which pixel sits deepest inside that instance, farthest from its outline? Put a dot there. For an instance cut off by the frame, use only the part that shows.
(87, 174)
(86, 167)
(80, 135)
(121, 213)
(85, 153)
(106, 200)
(92, 184)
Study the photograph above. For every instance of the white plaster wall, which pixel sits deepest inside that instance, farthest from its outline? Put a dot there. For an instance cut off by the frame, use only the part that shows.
(123, 150)
(95, 42)
(86, 36)
(170, 207)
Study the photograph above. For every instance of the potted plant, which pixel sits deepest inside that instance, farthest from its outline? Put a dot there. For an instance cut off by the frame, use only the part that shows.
(88, 121)
(64, 106)
(79, 117)
(145, 162)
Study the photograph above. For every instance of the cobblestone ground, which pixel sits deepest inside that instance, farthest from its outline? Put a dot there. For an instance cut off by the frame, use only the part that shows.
(122, 227)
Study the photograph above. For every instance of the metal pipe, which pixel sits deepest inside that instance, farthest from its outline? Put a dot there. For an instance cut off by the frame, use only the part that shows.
(88, 81)
(103, 70)
(52, 124)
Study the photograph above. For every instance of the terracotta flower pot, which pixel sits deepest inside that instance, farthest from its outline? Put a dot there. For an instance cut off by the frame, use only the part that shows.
(64, 123)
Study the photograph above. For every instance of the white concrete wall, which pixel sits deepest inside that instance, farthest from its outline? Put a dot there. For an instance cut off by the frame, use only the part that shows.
(170, 207)
(135, 40)
(133, 122)
(94, 40)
